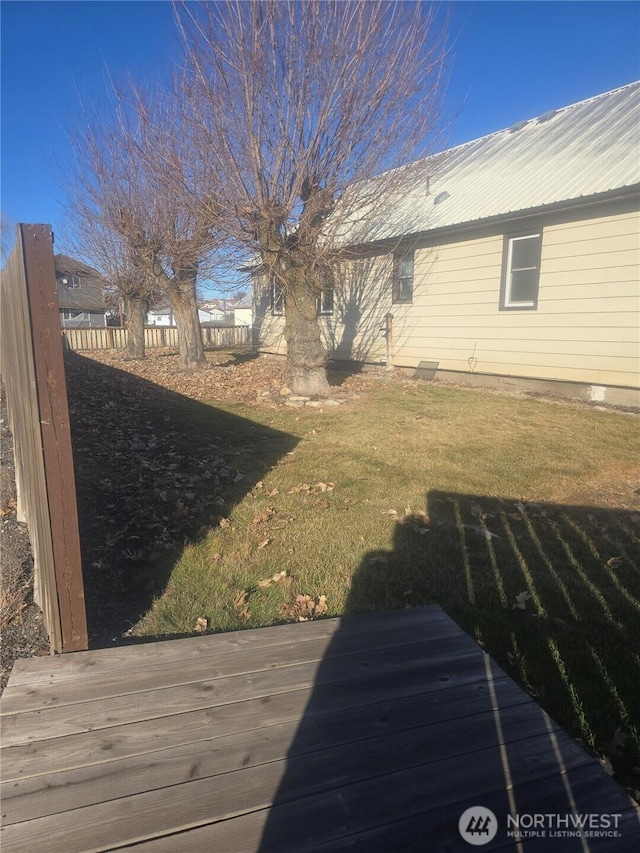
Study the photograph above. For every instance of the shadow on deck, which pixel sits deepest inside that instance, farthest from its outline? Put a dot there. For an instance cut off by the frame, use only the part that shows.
(374, 733)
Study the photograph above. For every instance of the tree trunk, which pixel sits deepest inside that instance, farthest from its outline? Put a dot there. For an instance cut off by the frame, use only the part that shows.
(306, 357)
(182, 295)
(136, 310)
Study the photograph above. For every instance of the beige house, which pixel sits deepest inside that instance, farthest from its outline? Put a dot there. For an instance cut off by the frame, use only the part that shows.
(512, 260)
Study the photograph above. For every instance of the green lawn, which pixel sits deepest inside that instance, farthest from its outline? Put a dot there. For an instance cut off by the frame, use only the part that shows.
(518, 516)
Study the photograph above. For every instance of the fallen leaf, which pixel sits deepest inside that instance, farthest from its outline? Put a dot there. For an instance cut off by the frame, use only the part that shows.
(224, 522)
(263, 544)
(278, 578)
(321, 606)
(240, 598)
(201, 625)
(482, 531)
(615, 562)
(305, 487)
(521, 600)
(304, 607)
(264, 517)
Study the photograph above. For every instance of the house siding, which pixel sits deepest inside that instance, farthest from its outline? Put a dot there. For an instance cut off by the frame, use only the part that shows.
(585, 327)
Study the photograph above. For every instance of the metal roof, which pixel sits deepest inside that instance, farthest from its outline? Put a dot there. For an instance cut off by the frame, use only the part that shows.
(573, 153)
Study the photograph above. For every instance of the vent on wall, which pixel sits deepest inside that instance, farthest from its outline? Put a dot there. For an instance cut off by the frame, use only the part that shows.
(426, 370)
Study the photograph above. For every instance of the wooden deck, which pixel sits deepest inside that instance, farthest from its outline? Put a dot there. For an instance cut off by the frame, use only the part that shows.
(370, 733)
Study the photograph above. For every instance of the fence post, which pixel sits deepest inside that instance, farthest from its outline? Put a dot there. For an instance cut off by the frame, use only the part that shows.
(36, 392)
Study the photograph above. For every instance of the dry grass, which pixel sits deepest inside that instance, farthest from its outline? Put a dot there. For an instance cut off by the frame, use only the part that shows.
(519, 516)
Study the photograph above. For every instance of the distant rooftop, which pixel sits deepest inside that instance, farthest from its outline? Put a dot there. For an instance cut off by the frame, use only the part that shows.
(584, 150)
(79, 286)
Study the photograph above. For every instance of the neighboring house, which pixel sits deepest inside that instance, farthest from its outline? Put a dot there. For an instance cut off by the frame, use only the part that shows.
(80, 296)
(213, 312)
(208, 314)
(512, 260)
(160, 315)
(242, 309)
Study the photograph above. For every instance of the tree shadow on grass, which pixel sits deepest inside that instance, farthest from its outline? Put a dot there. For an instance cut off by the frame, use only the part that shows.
(154, 470)
(409, 724)
(241, 356)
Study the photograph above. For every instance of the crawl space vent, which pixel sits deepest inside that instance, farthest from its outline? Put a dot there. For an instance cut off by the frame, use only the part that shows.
(426, 370)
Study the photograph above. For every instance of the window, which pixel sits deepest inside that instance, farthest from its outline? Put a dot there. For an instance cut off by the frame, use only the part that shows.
(277, 298)
(325, 301)
(403, 277)
(521, 271)
(71, 281)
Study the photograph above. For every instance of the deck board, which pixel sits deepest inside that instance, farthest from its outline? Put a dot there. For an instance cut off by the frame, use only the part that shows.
(367, 733)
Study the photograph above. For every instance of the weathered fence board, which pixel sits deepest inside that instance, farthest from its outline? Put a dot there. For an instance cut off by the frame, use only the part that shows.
(112, 337)
(33, 372)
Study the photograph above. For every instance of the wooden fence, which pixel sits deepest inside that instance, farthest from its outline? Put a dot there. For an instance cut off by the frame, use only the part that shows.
(33, 372)
(113, 337)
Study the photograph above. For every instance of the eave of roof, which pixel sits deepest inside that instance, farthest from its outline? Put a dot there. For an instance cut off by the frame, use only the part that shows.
(527, 214)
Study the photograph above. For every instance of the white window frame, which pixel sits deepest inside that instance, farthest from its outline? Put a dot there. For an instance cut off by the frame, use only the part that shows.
(507, 302)
(71, 282)
(277, 298)
(398, 295)
(325, 302)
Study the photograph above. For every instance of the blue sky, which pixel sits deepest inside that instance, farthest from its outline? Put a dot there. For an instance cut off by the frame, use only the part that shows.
(510, 61)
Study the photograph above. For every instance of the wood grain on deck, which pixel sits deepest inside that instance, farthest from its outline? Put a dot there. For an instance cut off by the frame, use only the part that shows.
(370, 733)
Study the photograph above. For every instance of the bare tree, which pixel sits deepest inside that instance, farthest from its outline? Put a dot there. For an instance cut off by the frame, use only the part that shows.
(180, 240)
(135, 180)
(104, 249)
(104, 184)
(297, 106)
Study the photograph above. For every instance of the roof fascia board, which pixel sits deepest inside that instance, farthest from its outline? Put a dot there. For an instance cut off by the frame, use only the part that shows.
(631, 193)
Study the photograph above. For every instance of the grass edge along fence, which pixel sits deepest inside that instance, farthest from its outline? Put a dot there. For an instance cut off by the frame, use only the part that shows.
(33, 372)
(114, 337)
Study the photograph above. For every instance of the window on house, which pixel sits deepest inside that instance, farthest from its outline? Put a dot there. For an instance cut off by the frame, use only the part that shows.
(521, 271)
(71, 281)
(277, 298)
(325, 301)
(403, 277)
